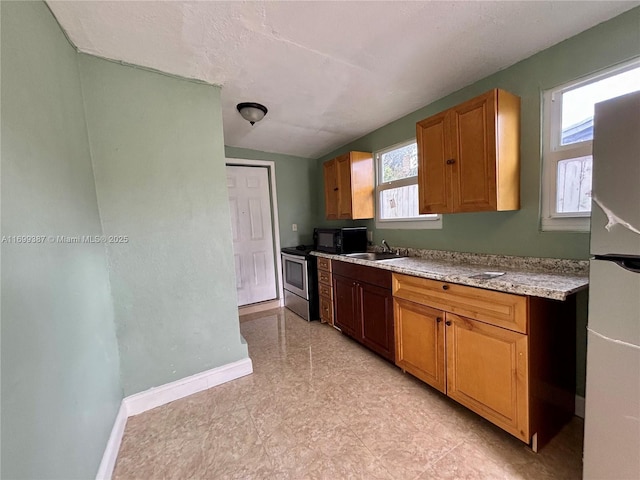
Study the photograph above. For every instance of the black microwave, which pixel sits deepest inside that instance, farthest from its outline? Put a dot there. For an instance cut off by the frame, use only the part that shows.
(340, 240)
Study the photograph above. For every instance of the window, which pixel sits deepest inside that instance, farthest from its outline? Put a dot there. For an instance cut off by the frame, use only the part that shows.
(567, 140)
(397, 189)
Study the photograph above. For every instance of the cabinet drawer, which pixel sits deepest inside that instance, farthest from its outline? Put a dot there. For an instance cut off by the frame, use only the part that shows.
(324, 264)
(496, 308)
(326, 310)
(324, 277)
(325, 290)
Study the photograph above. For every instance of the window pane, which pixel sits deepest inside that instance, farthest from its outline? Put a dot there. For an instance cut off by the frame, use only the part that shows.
(401, 202)
(399, 163)
(573, 187)
(577, 104)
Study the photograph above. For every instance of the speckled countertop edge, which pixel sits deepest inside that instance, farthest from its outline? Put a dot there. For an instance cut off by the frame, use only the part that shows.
(555, 279)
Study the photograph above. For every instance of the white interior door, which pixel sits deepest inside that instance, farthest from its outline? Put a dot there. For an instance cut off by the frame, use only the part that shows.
(250, 204)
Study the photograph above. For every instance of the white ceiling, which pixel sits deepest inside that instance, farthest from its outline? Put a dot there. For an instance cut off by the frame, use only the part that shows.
(329, 72)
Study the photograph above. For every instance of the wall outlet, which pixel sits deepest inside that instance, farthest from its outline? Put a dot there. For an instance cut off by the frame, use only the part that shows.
(294, 227)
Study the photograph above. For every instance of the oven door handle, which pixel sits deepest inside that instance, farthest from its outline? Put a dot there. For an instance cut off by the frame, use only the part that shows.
(294, 258)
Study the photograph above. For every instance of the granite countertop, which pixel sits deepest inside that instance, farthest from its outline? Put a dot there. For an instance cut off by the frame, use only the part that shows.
(537, 277)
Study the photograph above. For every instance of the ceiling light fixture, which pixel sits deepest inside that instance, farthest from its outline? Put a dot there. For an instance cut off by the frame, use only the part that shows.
(252, 112)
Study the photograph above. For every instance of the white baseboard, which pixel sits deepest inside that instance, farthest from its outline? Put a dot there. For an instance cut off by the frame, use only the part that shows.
(154, 397)
(580, 405)
(157, 396)
(108, 462)
(260, 307)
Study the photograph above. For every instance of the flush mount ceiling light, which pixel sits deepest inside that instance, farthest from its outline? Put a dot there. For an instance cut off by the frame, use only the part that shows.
(252, 112)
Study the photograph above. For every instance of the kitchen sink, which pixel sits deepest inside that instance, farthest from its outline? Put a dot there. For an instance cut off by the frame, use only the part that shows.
(375, 256)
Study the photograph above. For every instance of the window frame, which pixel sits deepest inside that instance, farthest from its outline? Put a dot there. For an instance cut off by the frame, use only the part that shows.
(426, 222)
(553, 151)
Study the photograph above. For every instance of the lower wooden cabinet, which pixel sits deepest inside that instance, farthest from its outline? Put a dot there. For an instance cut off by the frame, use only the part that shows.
(376, 306)
(346, 309)
(420, 342)
(325, 290)
(363, 306)
(487, 371)
(513, 362)
(326, 310)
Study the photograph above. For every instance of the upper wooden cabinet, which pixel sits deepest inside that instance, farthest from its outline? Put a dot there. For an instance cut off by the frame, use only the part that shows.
(469, 156)
(348, 186)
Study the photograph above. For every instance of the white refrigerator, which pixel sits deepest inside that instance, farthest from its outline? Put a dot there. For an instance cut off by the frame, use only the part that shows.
(612, 415)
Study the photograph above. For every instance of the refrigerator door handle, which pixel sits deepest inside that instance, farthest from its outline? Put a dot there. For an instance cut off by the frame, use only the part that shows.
(627, 262)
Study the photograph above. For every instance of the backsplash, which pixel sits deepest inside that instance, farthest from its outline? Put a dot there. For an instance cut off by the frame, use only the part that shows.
(557, 265)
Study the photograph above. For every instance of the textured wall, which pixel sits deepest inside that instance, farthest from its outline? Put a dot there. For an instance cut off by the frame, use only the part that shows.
(296, 184)
(159, 165)
(60, 367)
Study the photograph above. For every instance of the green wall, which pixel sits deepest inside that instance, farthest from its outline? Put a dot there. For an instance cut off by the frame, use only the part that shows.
(513, 233)
(60, 368)
(296, 187)
(91, 147)
(158, 153)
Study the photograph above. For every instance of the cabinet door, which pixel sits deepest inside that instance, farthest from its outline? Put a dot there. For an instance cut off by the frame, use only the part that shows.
(345, 317)
(434, 174)
(362, 185)
(331, 189)
(473, 145)
(420, 342)
(487, 371)
(343, 165)
(376, 309)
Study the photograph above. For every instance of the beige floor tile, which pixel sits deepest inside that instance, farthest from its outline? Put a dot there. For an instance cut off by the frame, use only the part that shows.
(320, 406)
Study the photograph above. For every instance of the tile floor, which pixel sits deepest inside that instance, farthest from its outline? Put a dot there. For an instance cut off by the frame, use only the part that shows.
(318, 405)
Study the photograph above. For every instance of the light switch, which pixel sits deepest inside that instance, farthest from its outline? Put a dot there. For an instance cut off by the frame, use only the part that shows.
(294, 227)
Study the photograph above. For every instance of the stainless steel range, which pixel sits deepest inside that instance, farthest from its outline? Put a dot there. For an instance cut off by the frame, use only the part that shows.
(300, 280)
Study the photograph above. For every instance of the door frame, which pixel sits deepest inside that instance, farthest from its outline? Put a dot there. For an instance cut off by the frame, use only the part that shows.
(275, 222)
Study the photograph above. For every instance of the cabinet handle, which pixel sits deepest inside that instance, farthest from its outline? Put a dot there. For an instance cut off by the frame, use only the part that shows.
(451, 161)
(438, 319)
(445, 287)
(335, 189)
(448, 323)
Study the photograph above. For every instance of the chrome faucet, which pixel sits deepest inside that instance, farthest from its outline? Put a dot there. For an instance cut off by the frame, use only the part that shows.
(386, 247)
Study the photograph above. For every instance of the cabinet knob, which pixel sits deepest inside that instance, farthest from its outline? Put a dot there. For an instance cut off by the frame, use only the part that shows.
(335, 189)
(445, 287)
(438, 319)
(448, 323)
(451, 161)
